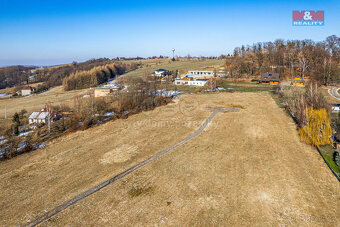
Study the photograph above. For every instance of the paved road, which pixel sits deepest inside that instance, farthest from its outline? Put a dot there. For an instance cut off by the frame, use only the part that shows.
(334, 92)
(90, 191)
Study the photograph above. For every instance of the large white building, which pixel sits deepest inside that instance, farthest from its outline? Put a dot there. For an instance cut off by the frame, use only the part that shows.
(205, 74)
(197, 82)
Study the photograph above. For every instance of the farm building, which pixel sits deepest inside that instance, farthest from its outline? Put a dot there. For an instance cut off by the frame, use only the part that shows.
(27, 90)
(298, 81)
(270, 78)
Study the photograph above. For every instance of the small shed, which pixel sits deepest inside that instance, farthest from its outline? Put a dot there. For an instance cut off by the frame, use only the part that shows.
(298, 81)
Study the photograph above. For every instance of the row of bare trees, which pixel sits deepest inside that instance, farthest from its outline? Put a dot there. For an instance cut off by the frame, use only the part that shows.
(318, 60)
(141, 94)
(311, 112)
(97, 75)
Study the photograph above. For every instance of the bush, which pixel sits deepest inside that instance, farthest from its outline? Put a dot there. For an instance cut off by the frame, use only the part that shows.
(336, 158)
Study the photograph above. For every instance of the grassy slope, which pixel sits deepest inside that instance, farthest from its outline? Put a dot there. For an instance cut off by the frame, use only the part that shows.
(57, 95)
(247, 167)
(327, 152)
(182, 65)
(33, 103)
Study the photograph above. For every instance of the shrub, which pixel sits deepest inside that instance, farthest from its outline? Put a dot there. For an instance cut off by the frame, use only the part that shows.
(317, 130)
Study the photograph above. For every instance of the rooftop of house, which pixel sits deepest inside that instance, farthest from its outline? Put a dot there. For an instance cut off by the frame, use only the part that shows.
(161, 70)
(27, 88)
(102, 88)
(39, 115)
(201, 80)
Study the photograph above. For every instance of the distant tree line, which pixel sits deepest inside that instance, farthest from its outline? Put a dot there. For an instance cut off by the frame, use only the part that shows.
(50, 76)
(318, 60)
(97, 75)
(14, 75)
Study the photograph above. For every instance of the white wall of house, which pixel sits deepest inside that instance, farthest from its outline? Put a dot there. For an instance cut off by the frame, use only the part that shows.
(190, 82)
(25, 92)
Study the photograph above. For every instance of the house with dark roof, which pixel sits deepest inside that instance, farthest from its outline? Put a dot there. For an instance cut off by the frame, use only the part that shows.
(270, 78)
(161, 73)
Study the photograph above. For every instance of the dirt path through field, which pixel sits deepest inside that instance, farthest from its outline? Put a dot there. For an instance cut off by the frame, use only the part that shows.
(244, 169)
(90, 191)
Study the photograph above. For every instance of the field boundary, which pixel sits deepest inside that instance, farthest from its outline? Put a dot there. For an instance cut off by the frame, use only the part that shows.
(334, 173)
(90, 191)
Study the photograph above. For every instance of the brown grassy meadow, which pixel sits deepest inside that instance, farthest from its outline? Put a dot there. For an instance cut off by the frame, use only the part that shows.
(246, 168)
(35, 102)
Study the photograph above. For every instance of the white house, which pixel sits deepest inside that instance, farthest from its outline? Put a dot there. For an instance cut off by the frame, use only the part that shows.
(25, 91)
(41, 117)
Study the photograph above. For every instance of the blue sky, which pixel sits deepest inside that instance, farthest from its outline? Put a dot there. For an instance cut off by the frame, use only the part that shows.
(59, 31)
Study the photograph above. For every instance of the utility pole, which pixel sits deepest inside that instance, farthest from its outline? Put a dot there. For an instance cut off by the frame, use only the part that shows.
(49, 123)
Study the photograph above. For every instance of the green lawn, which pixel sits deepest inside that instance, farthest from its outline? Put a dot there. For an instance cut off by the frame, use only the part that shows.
(244, 86)
(327, 152)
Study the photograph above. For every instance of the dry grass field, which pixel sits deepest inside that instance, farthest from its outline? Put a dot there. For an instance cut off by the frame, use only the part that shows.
(245, 169)
(33, 103)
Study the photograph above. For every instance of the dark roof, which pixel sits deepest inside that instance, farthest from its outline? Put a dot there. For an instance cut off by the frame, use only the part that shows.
(166, 73)
(267, 77)
(164, 70)
(28, 88)
(201, 79)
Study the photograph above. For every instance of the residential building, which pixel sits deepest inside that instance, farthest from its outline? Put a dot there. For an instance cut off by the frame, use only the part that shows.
(161, 73)
(41, 117)
(27, 90)
(270, 78)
